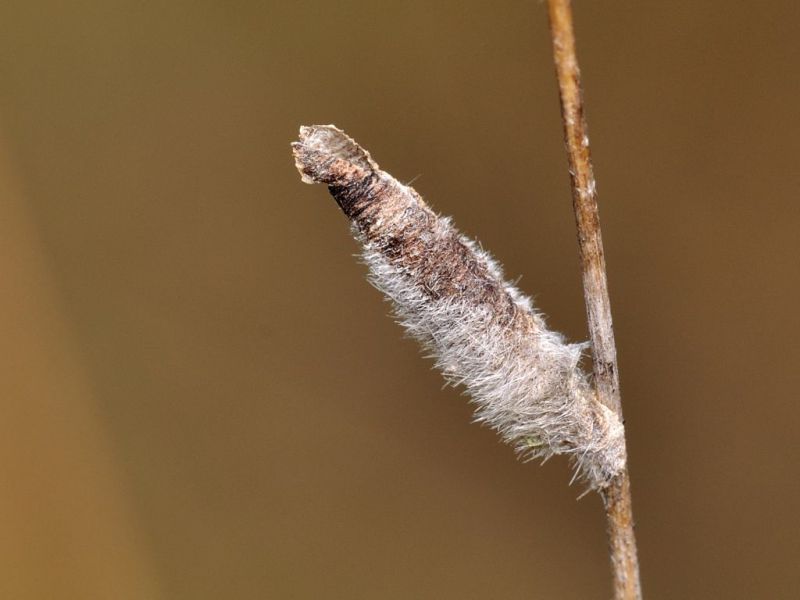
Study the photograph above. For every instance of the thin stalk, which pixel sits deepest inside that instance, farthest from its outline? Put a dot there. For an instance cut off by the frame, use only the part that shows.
(617, 496)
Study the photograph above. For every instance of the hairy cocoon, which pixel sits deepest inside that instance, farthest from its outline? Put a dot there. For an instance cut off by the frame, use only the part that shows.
(451, 296)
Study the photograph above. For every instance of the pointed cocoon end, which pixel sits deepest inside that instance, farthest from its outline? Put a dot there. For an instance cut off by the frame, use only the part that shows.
(326, 154)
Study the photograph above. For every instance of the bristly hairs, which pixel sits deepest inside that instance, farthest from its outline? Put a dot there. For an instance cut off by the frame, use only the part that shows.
(524, 379)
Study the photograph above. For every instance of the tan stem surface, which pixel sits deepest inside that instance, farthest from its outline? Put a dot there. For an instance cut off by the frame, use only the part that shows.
(617, 496)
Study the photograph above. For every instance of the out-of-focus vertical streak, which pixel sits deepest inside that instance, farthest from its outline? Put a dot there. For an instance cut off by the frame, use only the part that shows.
(67, 529)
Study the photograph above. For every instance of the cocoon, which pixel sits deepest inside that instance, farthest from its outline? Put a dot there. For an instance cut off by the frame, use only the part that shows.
(451, 295)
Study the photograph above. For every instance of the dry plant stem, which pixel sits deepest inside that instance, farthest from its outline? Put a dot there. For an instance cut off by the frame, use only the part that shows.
(617, 496)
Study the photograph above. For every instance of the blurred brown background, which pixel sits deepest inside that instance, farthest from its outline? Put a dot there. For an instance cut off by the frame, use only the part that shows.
(201, 396)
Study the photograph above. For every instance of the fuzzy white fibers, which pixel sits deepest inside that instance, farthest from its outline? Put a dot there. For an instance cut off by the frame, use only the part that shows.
(526, 382)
